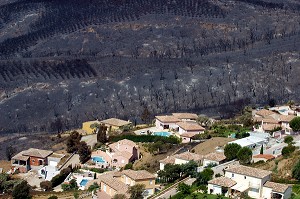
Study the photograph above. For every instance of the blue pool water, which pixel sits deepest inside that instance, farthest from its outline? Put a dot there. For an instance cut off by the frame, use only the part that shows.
(98, 159)
(83, 182)
(165, 134)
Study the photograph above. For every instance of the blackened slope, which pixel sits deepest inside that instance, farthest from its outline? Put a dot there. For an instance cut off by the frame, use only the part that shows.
(65, 17)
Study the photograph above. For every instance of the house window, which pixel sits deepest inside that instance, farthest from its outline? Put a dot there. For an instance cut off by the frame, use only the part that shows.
(33, 161)
(245, 177)
(232, 175)
(150, 182)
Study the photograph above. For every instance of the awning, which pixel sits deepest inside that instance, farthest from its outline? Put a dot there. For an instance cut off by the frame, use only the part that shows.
(240, 187)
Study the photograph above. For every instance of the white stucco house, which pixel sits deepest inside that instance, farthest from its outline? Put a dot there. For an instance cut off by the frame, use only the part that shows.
(166, 122)
(251, 141)
(181, 158)
(254, 182)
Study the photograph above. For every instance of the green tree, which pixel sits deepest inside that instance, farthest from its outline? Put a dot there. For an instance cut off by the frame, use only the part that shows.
(84, 152)
(288, 139)
(244, 155)
(93, 187)
(262, 149)
(46, 185)
(120, 196)
(231, 150)
(295, 124)
(296, 171)
(184, 188)
(101, 133)
(204, 176)
(136, 191)
(128, 166)
(73, 141)
(21, 191)
(76, 195)
(190, 168)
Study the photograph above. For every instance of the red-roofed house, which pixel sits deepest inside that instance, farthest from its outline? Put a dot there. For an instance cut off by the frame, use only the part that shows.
(263, 157)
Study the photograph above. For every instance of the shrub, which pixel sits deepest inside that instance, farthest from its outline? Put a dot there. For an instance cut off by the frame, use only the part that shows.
(296, 171)
(46, 185)
(288, 139)
(21, 190)
(59, 178)
(287, 150)
(53, 197)
(128, 166)
(146, 138)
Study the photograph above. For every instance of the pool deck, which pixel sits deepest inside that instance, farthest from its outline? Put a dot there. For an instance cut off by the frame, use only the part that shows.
(152, 129)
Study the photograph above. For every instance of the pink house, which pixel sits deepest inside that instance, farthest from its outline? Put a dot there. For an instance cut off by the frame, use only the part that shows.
(118, 154)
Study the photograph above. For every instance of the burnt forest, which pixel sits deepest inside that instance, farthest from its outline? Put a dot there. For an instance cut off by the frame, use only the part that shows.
(63, 62)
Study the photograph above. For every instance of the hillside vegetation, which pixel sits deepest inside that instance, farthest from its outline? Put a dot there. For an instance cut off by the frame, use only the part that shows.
(62, 63)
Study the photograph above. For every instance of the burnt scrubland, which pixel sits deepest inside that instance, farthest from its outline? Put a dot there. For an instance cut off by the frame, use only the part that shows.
(64, 62)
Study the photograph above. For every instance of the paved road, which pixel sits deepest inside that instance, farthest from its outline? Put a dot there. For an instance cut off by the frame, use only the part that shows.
(173, 191)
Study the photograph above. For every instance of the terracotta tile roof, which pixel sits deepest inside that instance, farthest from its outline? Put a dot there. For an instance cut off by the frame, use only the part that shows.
(286, 118)
(37, 153)
(276, 187)
(19, 156)
(167, 119)
(270, 120)
(265, 156)
(215, 156)
(264, 112)
(124, 154)
(138, 175)
(257, 119)
(168, 160)
(123, 142)
(249, 171)
(115, 122)
(103, 195)
(191, 116)
(190, 126)
(222, 181)
(111, 181)
(270, 127)
(188, 135)
(189, 156)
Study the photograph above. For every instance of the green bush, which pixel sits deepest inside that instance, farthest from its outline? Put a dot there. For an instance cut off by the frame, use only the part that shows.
(128, 166)
(288, 150)
(146, 138)
(53, 197)
(59, 178)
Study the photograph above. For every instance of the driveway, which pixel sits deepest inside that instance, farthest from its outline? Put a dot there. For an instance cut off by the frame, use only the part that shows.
(73, 161)
(90, 140)
(173, 191)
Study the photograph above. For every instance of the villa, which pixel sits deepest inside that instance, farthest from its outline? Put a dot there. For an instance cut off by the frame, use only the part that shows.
(113, 124)
(166, 122)
(214, 158)
(251, 181)
(117, 154)
(113, 183)
(30, 159)
(187, 130)
(182, 158)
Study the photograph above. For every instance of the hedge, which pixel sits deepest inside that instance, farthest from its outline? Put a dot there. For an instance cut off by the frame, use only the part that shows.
(146, 138)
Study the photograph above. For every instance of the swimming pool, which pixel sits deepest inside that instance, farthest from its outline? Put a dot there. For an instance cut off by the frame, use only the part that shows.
(165, 134)
(98, 159)
(83, 182)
